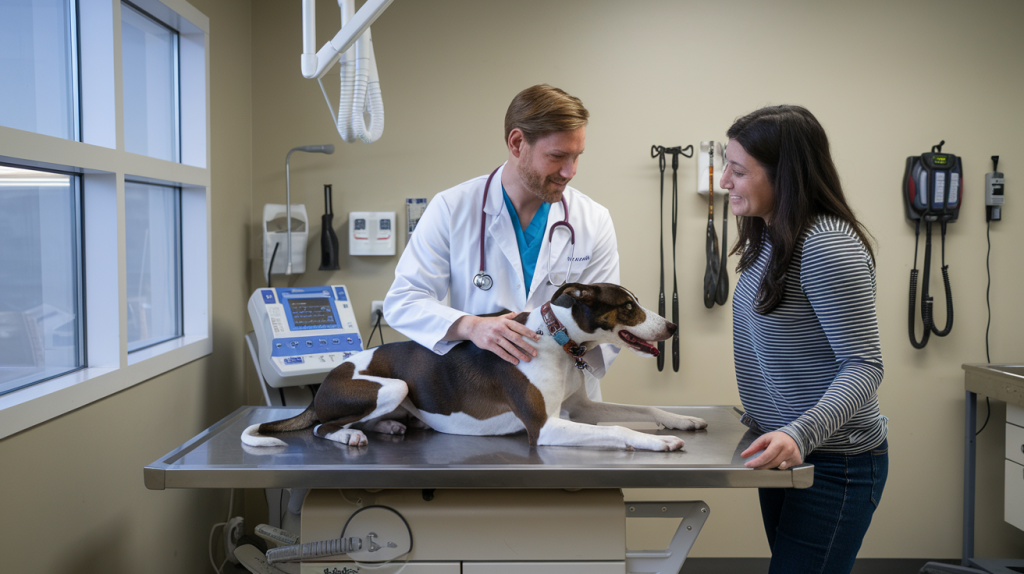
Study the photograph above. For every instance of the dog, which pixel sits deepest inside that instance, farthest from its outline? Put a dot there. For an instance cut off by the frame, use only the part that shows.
(471, 391)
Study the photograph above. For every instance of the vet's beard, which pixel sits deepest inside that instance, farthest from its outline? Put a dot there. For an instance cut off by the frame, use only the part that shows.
(537, 184)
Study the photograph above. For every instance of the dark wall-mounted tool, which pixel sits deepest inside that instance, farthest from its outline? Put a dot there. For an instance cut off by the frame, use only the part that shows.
(932, 192)
(328, 238)
(660, 152)
(716, 273)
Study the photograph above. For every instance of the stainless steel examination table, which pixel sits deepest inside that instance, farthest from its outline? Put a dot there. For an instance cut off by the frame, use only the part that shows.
(479, 505)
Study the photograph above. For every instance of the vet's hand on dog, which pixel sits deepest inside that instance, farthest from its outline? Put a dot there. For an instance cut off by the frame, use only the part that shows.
(501, 335)
(780, 451)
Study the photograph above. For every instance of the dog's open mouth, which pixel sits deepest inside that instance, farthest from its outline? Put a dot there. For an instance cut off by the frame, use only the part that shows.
(637, 344)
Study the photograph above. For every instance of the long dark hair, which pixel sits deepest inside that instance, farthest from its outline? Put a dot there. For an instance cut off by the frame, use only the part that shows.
(793, 149)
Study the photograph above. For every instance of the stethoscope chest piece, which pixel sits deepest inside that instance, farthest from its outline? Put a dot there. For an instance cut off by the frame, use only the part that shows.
(483, 281)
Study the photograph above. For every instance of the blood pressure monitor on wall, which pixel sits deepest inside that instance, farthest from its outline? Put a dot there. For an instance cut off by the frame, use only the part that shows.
(303, 332)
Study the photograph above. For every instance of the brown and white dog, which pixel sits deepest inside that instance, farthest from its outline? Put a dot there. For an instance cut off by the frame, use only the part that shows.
(471, 391)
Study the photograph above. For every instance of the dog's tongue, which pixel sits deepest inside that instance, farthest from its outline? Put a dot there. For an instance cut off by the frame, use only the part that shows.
(635, 341)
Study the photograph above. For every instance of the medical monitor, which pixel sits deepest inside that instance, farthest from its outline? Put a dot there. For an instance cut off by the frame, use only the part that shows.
(303, 332)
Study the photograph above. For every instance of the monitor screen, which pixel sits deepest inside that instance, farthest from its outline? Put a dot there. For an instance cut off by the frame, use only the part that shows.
(312, 313)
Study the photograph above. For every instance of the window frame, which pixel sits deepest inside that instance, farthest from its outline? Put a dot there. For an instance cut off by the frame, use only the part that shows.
(76, 70)
(102, 166)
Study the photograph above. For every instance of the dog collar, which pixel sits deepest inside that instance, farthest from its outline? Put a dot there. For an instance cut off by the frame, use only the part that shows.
(557, 330)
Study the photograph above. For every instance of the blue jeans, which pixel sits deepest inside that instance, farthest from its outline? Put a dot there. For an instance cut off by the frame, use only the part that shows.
(820, 529)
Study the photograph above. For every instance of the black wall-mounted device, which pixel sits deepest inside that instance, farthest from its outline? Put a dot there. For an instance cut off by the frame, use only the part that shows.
(994, 182)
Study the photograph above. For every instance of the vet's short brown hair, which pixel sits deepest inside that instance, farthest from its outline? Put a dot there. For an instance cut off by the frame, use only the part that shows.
(542, 109)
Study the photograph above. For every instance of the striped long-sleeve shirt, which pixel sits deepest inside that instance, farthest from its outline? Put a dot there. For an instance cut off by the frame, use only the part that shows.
(811, 368)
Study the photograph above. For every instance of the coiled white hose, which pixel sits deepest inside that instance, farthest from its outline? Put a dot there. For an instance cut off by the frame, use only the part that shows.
(310, 550)
(360, 88)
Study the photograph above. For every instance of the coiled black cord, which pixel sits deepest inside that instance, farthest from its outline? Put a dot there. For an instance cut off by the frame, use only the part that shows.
(927, 301)
(913, 309)
(949, 293)
(913, 297)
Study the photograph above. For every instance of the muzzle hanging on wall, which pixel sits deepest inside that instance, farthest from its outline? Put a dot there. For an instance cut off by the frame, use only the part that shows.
(660, 152)
(716, 272)
(932, 192)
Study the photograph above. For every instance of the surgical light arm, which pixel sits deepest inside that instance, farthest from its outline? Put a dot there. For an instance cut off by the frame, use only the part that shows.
(316, 65)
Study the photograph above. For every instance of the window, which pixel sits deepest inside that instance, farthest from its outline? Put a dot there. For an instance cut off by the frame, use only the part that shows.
(149, 60)
(153, 263)
(105, 252)
(40, 293)
(38, 64)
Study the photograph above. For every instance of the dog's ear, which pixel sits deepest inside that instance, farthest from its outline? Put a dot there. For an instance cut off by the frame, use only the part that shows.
(570, 293)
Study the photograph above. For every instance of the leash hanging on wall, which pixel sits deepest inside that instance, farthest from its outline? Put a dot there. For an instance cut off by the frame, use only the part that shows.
(660, 152)
(716, 273)
(932, 192)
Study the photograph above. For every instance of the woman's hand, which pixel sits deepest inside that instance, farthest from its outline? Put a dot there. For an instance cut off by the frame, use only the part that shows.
(780, 451)
(499, 335)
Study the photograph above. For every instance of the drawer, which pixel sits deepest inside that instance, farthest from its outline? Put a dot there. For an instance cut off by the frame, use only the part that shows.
(543, 568)
(352, 567)
(1013, 500)
(1015, 415)
(1015, 443)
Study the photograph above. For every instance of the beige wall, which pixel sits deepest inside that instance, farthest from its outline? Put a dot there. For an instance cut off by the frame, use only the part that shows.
(675, 73)
(73, 493)
(657, 72)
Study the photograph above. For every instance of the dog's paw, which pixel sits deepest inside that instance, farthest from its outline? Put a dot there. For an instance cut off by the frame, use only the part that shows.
(680, 422)
(655, 442)
(389, 427)
(671, 442)
(658, 442)
(351, 437)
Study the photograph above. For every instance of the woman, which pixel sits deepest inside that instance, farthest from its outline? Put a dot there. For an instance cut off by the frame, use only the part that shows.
(808, 356)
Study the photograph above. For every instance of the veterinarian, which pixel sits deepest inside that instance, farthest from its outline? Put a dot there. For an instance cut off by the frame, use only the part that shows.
(444, 280)
(808, 356)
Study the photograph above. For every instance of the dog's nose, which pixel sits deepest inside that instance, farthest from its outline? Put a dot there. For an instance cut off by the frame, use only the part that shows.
(671, 327)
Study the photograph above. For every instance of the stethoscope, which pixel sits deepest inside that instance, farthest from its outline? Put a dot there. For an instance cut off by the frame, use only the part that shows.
(482, 280)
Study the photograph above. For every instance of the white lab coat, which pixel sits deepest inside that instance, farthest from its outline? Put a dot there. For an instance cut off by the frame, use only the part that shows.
(434, 279)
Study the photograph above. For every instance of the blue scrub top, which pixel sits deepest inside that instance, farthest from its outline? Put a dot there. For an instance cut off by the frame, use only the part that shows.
(530, 240)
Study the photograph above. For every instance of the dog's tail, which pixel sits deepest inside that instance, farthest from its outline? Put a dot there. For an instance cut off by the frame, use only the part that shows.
(255, 435)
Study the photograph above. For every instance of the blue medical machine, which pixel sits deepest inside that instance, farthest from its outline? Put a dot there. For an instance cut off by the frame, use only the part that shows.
(303, 332)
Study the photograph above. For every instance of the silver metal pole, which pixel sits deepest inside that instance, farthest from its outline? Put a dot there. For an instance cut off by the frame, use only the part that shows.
(288, 209)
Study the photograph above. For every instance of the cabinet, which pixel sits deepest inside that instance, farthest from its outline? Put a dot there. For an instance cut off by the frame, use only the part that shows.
(1013, 498)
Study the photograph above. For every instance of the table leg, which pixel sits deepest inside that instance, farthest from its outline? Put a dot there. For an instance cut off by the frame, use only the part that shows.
(970, 454)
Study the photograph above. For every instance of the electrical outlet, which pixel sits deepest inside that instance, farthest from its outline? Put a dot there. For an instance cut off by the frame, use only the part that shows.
(233, 532)
(375, 307)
